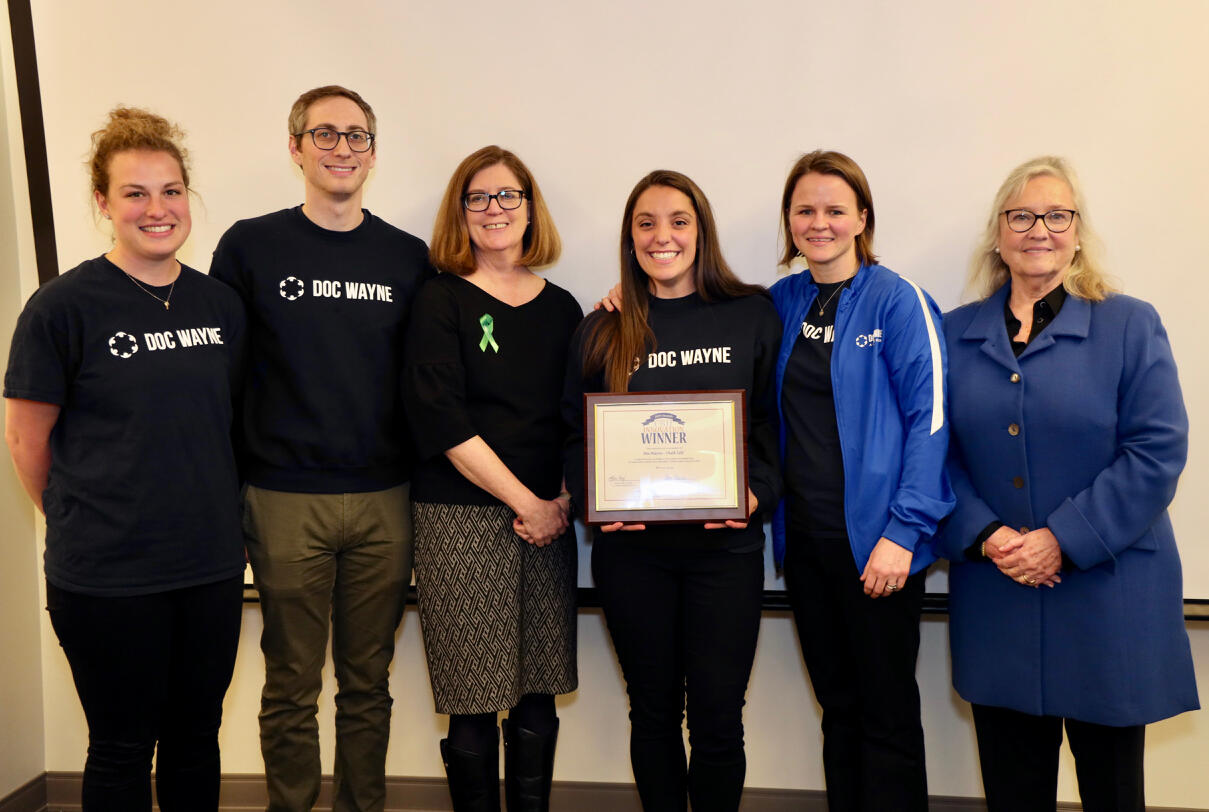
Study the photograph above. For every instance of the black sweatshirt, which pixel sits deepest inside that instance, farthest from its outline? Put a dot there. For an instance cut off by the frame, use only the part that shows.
(730, 344)
(327, 316)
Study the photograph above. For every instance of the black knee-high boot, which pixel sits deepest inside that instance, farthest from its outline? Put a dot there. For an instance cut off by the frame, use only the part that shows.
(528, 768)
(474, 778)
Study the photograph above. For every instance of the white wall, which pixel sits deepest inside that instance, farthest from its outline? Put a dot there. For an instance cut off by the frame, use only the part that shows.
(936, 99)
(922, 94)
(22, 755)
(784, 747)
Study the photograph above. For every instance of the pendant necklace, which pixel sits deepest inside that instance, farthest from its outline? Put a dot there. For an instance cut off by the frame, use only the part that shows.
(823, 306)
(165, 301)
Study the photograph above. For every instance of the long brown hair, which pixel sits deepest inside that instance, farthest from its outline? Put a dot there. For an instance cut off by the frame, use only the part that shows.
(618, 340)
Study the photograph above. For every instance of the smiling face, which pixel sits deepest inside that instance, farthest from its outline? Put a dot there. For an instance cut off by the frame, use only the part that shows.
(149, 206)
(664, 232)
(1038, 257)
(497, 230)
(824, 221)
(337, 173)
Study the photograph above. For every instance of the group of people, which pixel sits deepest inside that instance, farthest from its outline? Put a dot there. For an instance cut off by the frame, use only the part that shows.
(330, 403)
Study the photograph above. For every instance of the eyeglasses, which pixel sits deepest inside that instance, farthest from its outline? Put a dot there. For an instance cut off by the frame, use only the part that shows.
(479, 201)
(327, 138)
(1057, 220)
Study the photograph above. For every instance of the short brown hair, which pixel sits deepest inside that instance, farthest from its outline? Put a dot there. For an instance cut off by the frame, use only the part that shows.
(829, 162)
(302, 106)
(451, 249)
(131, 128)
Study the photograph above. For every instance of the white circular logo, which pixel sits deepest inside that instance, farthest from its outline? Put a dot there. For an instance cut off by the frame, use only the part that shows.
(291, 288)
(123, 345)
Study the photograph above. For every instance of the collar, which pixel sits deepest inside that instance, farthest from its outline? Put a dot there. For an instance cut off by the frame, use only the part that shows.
(1073, 321)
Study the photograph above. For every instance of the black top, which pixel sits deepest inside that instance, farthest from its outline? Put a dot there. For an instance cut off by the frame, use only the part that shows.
(731, 344)
(143, 495)
(1045, 310)
(327, 313)
(814, 466)
(476, 365)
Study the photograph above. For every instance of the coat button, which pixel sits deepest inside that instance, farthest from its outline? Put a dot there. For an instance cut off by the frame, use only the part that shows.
(1013, 429)
(1015, 378)
(1017, 482)
(1024, 530)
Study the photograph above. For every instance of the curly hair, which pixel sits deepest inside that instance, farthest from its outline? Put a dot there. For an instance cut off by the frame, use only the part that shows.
(131, 128)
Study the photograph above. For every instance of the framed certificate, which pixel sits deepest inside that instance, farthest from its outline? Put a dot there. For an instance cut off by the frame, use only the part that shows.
(661, 457)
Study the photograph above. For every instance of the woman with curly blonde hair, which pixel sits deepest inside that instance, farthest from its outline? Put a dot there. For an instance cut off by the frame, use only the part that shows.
(119, 412)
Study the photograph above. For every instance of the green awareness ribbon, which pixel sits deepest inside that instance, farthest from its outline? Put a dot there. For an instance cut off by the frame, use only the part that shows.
(488, 324)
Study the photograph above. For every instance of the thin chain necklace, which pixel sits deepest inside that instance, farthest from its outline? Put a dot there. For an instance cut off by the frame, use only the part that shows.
(165, 301)
(842, 285)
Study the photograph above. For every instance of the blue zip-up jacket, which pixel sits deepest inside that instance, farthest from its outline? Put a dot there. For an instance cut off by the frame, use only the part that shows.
(887, 372)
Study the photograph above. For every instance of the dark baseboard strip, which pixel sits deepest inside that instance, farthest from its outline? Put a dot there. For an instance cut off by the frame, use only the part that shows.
(777, 600)
(60, 792)
(28, 798)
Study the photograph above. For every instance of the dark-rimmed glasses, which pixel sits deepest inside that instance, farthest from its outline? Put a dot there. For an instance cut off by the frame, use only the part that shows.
(480, 201)
(327, 138)
(1056, 220)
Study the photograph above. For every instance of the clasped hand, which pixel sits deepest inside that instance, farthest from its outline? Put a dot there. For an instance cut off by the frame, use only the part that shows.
(543, 521)
(1032, 559)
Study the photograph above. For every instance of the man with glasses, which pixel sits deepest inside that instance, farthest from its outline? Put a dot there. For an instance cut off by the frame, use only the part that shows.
(325, 451)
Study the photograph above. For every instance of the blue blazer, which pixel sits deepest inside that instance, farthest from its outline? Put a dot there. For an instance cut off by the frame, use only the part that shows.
(1084, 433)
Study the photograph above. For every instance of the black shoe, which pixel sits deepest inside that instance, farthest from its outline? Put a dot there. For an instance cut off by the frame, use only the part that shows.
(528, 768)
(474, 778)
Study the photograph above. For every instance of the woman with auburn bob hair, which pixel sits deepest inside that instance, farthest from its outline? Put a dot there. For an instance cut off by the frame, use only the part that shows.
(1069, 436)
(495, 558)
(860, 389)
(682, 602)
(118, 415)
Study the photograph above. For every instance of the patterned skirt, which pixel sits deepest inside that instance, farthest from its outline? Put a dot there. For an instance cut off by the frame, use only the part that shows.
(498, 613)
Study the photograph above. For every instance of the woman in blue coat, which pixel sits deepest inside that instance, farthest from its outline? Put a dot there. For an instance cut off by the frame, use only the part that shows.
(1068, 435)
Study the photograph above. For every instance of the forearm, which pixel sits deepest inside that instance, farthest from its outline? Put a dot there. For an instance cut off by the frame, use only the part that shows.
(32, 461)
(27, 428)
(475, 460)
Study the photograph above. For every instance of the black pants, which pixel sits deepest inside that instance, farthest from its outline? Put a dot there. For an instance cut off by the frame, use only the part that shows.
(861, 655)
(684, 625)
(1019, 757)
(151, 669)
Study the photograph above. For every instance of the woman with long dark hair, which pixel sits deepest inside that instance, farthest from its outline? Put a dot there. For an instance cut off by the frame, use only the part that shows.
(682, 602)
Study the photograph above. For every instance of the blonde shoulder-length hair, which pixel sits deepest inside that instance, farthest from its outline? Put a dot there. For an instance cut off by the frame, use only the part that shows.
(1086, 278)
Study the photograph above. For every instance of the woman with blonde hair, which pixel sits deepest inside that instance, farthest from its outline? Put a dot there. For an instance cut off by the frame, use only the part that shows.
(495, 556)
(119, 411)
(1069, 434)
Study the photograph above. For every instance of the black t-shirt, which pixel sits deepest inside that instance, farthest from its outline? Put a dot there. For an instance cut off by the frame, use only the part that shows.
(729, 344)
(327, 315)
(143, 494)
(476, 365)
(814, 465)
